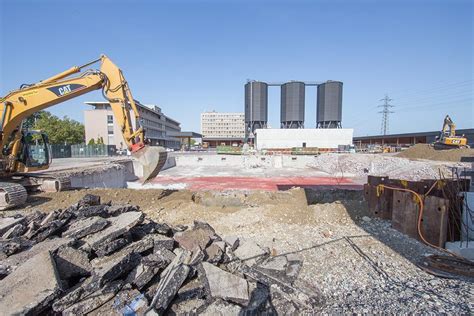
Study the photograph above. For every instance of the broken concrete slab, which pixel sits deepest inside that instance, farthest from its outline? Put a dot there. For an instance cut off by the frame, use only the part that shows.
(115, 266)
(47, 245)
(72, 263)
(194, 238)
(204, 226)
(94, 210)
(171, 280)
(250, 252)
(222, 284)
(115, 210)
(86, 226)
(112, 246)
(78, 293)
(142, 274)
(222, 308)
(213, 253)
(277, 264)
(162, 242)
(232, 241)
(49, 218)
(12, 246)
(8, 222)
(307, 297)
(89, 200)
(138, 247)
(127, 301)
(25, 291)
(118, 226)
(49, 229)
(14, 231)
(95, 300)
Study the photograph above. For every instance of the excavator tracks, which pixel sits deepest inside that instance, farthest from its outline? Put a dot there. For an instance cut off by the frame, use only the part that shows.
(12, 195)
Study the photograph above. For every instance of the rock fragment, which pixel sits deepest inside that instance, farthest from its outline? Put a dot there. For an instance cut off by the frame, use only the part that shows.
(86, 226)
(224, 285)
(95, 300)
(89, 200)
(110, 247)
(171, 280)
(118, 226)
(8, 222)
(15, 231)
(250, 252)
(72, 263)
(25, 291)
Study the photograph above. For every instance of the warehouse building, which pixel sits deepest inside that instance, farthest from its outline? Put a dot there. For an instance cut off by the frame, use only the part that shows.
(100, 123)
(407, 139)
(218, 128)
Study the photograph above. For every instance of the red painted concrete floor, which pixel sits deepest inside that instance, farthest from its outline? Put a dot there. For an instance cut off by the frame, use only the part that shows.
(258, 183)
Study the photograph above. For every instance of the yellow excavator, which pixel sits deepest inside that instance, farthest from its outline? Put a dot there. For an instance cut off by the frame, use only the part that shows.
(24, 151)
(447, 138)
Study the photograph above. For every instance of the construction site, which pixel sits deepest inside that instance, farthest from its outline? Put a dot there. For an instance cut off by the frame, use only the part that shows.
(140, 217)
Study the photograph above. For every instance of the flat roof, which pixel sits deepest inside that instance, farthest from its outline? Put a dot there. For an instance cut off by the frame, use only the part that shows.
(417, 134)
(184, 134)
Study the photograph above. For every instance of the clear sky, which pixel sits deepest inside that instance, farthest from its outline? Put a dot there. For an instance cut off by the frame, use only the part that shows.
(191, 56)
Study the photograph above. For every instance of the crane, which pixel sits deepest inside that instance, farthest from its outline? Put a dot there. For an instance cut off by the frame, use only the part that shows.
(24, 151)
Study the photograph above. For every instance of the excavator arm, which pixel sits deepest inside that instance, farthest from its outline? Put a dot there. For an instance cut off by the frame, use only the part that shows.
(22, 103)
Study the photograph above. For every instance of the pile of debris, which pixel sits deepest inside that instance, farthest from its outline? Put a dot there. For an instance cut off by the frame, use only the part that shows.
(109, 259)
(361, 165)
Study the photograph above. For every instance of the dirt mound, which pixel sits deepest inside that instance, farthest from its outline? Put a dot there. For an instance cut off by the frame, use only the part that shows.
(425, 151)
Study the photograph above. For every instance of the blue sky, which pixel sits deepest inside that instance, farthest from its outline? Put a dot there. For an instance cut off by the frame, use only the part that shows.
(191, 56)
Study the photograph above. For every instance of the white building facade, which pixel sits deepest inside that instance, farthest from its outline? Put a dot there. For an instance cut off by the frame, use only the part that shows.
(222, 125)
(330, 138)
(99, 122)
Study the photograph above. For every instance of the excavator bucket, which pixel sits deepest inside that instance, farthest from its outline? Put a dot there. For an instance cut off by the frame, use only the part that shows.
(152, 158)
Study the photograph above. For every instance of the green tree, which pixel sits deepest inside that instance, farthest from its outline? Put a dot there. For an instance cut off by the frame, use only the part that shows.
(100, 140)
(91, 142)
(60, 131)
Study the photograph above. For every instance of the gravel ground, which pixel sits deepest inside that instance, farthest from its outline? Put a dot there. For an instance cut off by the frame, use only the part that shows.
(359, 264)
(357, 165)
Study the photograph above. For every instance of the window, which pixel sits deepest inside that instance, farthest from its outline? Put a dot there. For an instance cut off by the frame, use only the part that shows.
(110, 129)
(110, 119)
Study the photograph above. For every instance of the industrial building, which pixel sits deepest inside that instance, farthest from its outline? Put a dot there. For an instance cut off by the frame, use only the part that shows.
(407, 139)
(99, 123)
(292, 105)
(218, 128)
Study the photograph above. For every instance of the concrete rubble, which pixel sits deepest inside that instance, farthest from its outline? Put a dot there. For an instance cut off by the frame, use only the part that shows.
(108, 259)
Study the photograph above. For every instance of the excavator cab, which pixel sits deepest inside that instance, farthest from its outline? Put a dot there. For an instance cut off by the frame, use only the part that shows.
(35, 154)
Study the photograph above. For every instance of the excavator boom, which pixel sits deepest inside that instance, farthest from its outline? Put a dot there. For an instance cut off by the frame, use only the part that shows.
(22, 103)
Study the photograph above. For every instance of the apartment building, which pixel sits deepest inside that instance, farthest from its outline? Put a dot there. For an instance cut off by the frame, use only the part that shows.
(218, 128)
(99, 122)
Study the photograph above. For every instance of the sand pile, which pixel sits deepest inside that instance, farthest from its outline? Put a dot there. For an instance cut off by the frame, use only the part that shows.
(426, 151)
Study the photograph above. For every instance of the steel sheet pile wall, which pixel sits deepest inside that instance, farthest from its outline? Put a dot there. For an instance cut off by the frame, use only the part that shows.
(256, 106)
(292, 105)
(329, 105)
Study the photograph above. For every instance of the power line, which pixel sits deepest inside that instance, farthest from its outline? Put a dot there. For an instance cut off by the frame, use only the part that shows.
(385, 113)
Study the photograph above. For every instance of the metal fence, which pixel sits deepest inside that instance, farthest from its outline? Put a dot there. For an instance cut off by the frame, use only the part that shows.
(61, 151)
(82, 151)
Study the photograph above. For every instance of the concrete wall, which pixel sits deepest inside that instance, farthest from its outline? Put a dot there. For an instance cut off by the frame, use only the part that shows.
(274, 161)
(316, 137)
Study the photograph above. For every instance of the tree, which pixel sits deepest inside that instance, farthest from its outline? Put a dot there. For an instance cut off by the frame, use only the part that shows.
(100, 140)
(60, 131)
(91, 142)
